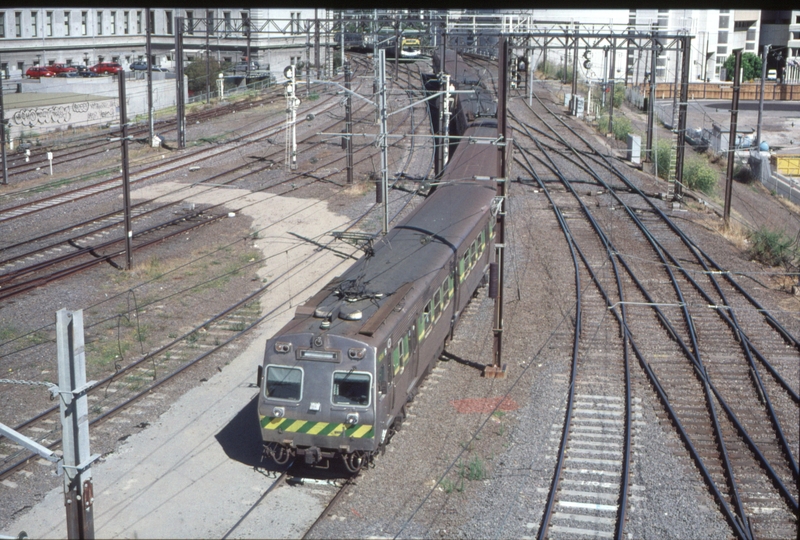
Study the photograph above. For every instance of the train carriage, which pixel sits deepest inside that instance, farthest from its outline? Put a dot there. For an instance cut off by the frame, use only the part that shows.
(335, 380)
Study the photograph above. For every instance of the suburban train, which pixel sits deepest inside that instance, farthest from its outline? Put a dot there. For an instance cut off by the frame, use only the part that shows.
(335, 380)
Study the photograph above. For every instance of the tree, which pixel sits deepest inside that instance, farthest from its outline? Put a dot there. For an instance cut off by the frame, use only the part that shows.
(196, 73)
(751, 66)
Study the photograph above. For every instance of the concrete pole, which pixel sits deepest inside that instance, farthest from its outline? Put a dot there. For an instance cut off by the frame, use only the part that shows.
(611, 85)
(682, 110)
(208, 59)
(3, 132)
(149, 51)
(574, 72)
(348, 108)
(651, 106)
(761, 95)
(181, 113)
(732, 136)
(78, 488)
(383, 138)
(126, 185)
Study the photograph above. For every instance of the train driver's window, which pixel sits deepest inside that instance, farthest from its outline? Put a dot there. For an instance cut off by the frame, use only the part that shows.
(351, 388)
(284, 383)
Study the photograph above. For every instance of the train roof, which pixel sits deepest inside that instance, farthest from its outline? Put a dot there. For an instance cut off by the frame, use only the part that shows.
(390, 282)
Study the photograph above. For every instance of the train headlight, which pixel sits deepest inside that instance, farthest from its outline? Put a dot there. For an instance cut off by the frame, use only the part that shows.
(352, 419)
(282, 347)
(278, 412)
(357, 354)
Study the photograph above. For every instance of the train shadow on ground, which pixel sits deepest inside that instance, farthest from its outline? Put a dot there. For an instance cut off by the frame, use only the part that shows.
(241, 438)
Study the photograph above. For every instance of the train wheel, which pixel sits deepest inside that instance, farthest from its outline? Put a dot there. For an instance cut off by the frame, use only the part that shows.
(353, 462)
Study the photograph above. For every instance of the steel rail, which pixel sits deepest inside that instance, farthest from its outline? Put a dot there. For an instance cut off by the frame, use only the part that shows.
(701, 368)
(731, 517)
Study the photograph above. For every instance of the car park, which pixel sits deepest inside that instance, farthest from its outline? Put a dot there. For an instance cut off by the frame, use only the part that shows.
(107, 68)
(37, 72)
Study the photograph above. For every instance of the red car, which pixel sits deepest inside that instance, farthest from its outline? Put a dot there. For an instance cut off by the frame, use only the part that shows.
(106, 68)
(36, 72)
(62, 68)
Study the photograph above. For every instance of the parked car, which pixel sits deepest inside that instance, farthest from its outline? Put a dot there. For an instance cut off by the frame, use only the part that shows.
(107, 68)
(62, 68)
(37, 72)
(67, 74)
(142, 66)
(242, 66)
(84, 71)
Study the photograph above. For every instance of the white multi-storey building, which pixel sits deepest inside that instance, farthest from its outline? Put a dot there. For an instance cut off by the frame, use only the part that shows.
(74, 36)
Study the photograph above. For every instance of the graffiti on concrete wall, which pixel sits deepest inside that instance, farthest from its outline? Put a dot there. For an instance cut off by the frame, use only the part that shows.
(77, 114)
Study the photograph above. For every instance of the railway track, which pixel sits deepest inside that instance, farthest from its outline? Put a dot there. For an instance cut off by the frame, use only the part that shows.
(743, 442)
(155, 368)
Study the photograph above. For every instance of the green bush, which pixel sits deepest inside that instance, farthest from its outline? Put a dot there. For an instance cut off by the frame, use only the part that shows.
(622, 127)
(699, 175)
(772, 247)
(662, 158)
(619, 94)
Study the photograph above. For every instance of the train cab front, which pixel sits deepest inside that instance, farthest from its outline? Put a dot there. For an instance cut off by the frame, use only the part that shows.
(317, 400)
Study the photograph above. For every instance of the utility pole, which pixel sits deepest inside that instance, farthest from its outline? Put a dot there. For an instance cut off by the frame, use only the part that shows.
(290, 156)
(760, 97)
(3, 131)
(574, 89)
(446, 121)
(78, 488)
(682, 110)
(612, 84)
(179, 82)
(209, 22)
(383, 138)
(737, 53)
(246, 23)
(348, 122)
(126, 186)
(149, 73)
(316, 44)
(651, 106)
(497, 370)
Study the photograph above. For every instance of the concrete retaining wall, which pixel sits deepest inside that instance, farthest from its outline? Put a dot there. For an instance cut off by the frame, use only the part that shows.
(90, 102)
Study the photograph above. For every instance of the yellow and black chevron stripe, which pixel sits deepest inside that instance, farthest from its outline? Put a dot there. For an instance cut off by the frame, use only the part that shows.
(287, 425)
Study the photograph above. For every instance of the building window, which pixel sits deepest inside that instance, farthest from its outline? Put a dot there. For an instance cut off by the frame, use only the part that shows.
(67, 21)
(152, 22)
(245, 23)
(18, 23)
(49, 18)
(295, 22)
(749, 46)
(751, 34)
(209, 22)
(138, 22)
(127, 22)
(99, 23)
(169, 21)
(34, 24)
(722, 37)
(113, 22)
(723, 49)
(2, 24)
(190, 22)
(795, 35)
(797, 19)
(724, 21)
(720, 59)
(21, 66)
(796, 52)
(84, 15)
